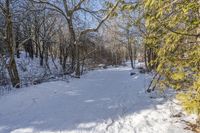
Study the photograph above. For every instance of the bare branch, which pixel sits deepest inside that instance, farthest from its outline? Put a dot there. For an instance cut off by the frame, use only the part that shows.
(54, 7)
(26, 40)
(66, 8)
(78, 6)
(176, 32)
(102, 21)
(2, 8)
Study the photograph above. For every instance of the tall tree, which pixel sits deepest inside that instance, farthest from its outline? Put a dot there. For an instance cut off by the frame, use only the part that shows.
(9, 40)
(174, 27)
(68, 11)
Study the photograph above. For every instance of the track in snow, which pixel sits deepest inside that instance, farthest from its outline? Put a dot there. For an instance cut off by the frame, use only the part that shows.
(102, 101)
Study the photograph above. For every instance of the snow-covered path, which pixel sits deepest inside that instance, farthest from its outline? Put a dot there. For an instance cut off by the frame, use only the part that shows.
(103, 101)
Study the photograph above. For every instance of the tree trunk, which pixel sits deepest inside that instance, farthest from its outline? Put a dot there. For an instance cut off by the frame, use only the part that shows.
(37, 41)
(46, 55)
(145, 57)
(41, 59)
(72, 45)
(61, 54)
(130, 54)
(135, 53)
(12, 67)
(78, 73)
(64, 62)
(149, 59)
(17, 42)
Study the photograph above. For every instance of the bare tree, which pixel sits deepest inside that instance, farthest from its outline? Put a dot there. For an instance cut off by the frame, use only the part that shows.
(68, 11)
(9, 41)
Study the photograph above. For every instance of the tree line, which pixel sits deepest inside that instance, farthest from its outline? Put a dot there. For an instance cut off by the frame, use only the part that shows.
(58, 30)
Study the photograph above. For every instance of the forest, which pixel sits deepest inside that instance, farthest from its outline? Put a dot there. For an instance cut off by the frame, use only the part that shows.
(100, 66)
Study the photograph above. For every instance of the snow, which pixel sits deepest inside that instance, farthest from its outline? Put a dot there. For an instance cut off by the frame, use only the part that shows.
(102, 101)
(29, 68)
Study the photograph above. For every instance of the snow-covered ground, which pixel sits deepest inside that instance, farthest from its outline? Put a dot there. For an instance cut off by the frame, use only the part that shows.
(102, 101)
(30, 72)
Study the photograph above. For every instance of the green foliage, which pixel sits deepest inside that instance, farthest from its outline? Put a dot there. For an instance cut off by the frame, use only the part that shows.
(122, 7)
(114, 14)
(173, 29)
(127, 7)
